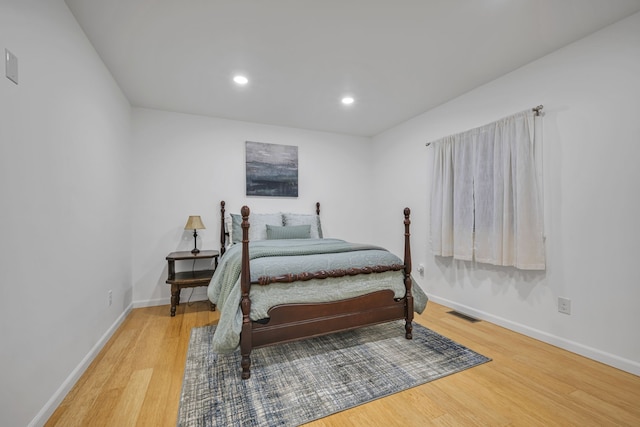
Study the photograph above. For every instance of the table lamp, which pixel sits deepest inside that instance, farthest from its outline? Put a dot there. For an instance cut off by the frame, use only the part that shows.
(194, 223)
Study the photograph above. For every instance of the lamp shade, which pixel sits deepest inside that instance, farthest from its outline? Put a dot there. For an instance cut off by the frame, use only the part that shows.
(194, 223)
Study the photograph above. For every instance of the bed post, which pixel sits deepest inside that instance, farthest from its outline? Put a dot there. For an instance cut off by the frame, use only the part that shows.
(407, 276)
(317, 208)
(223, 236)
(245, 302)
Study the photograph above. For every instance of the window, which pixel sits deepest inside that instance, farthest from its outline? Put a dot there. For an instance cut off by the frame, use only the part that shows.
(485, 203)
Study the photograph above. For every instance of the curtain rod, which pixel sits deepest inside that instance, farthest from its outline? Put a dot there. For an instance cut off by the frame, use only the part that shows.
(536, 110)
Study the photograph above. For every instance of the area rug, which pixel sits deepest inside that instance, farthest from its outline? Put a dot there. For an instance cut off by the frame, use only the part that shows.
(295, 383)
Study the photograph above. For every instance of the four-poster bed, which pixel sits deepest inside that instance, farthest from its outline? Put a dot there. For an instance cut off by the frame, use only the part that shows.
(381, 283)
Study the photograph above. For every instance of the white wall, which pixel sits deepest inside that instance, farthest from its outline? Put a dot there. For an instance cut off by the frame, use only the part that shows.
(64, 232)
(185, 165)
(591, 130)
(70, 184)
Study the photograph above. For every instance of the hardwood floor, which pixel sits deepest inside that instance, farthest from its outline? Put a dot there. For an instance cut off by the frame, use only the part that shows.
(136, 381)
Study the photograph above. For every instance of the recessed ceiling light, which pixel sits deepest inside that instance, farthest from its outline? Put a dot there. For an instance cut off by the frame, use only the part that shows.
(241, 80)
(348, 100)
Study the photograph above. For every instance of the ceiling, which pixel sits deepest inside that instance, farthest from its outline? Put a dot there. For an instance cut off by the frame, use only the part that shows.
(397, 58)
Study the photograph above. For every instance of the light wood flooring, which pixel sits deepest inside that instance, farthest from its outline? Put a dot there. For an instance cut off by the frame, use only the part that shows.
(136, 381)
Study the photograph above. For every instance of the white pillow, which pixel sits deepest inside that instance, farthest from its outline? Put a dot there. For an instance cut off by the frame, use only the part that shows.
(304, 219)
(257, 226)
(228, 227)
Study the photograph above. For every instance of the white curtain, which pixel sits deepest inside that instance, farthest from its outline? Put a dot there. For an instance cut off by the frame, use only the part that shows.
(485, 203)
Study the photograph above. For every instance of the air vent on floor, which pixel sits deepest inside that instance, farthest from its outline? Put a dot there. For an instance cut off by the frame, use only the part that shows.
(463, 316)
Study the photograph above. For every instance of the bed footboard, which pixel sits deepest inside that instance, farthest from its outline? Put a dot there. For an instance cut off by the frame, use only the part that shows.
(291, 322)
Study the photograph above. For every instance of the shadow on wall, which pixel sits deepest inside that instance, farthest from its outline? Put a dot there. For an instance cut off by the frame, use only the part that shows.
(459, 273)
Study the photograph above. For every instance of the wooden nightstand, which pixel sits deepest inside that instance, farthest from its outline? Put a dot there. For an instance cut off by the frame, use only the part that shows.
(188, 279)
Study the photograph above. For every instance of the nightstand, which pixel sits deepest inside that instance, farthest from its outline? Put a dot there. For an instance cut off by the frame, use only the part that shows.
(188, 279)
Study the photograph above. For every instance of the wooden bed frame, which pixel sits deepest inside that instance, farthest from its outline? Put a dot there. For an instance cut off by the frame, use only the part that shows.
(290, 322)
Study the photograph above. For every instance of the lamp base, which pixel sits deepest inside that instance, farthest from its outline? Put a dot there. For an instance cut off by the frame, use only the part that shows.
(195, 249)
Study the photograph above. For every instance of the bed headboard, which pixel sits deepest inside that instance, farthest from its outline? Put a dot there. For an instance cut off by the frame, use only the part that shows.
(224, 234)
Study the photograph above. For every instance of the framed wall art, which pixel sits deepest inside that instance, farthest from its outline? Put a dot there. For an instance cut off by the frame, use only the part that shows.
(272, 169)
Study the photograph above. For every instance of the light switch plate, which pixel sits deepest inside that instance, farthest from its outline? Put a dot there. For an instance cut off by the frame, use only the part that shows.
(11, 66)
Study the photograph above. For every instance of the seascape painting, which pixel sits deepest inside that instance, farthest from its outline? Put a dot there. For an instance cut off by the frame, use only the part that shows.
(272, 169)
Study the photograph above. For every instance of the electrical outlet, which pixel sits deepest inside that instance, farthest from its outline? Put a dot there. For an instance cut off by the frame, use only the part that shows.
(564, 305)
(110, 297)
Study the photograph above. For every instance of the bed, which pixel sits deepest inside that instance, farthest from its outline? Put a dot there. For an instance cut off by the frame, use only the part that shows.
(282, 281)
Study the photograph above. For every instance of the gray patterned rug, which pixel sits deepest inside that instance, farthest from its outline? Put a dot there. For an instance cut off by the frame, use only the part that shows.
(295, 383)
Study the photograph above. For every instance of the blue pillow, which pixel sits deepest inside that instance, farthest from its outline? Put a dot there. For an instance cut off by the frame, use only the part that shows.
(288, 232)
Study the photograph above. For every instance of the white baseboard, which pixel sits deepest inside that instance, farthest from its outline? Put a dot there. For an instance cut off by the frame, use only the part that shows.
(151, 303)
(49, 408)
(184, 297)
(563, 343)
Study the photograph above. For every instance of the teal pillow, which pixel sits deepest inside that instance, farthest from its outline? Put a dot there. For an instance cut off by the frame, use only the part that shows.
(288, 232)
